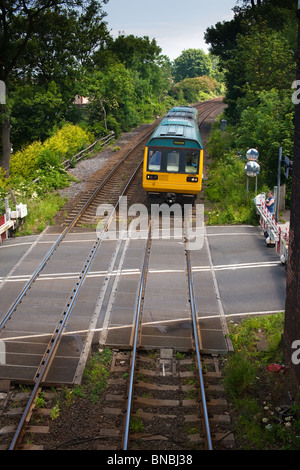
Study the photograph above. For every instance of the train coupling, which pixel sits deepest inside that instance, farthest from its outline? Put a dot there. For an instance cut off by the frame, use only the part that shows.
(171, 198)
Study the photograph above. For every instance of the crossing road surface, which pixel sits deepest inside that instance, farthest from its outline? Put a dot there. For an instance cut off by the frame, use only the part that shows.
(235, 274)
(248, 274)
(250, 277)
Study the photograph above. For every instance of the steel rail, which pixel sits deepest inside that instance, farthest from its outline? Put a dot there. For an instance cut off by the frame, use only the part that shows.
(136, 333)
(61, 237)
(66, 314)
(135, 342)
(45, 364)
(196, 339)
(213, 107)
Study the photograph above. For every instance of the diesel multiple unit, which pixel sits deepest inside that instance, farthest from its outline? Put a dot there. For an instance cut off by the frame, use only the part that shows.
(173, 159)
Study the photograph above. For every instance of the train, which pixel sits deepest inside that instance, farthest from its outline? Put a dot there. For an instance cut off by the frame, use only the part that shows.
(173, 157)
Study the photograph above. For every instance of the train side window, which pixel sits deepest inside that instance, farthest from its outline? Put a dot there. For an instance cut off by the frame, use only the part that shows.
(173, 161)
(154, 160)
(191, 164)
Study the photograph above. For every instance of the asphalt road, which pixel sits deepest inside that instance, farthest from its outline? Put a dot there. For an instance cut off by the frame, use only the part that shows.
(249, 274)
(235, 275)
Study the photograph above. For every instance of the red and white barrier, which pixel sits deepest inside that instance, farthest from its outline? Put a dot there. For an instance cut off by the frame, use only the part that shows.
(5, 225)
(9, 220)
(272, 230)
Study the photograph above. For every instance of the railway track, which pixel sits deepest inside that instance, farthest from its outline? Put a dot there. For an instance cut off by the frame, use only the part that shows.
(166, 406)
(174, 399)
(170, 373)
(124, 173)
(55, 338)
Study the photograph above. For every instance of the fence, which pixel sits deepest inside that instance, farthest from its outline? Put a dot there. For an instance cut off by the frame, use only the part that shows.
(275, 234)
(76, 158)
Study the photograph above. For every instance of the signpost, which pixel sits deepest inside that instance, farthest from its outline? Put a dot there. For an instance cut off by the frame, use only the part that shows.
(252, 168)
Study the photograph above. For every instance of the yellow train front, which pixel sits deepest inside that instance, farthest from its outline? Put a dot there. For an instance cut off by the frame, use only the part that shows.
(173, 160)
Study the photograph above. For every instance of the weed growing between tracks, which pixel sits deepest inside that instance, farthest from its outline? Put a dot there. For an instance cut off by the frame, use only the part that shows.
(96, 374)
(262, 390)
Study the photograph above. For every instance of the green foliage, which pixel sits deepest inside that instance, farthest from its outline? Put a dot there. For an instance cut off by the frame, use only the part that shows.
(226, 189)
(255, 392)
(35, 106)
(245, 335)
(40, 212)
(191, 63)
(136, 52)
(96, 373)
(48, 157)
(24, 162)
(256, 50)
(198, 88)
(4, 183)
(38, 159)
(240, 375)
(219, 143)
(266, 123)
(136, 424)
(121, 98)
(260, 69)
(266, 59)
(68, 140)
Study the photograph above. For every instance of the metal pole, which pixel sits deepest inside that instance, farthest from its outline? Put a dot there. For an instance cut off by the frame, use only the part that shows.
(278, 182)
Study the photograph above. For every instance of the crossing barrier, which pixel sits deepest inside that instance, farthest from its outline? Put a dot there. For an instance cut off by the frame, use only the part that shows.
(10, 220)
(275, 234)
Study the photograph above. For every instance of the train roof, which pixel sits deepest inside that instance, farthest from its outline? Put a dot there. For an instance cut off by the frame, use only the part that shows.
(186, 112)
(183, 129)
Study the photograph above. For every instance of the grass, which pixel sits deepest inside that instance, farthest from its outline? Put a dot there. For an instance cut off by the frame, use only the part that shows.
(40, 213)
(136, 424)
(96, 373)
(258, 394)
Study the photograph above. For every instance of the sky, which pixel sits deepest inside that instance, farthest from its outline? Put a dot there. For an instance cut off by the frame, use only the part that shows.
(176, 25)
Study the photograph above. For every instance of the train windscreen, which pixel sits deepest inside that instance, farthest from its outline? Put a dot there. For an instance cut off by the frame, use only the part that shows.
(173, 160)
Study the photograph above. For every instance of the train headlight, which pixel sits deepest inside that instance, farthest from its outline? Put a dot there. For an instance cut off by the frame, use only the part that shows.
(192, 179)
(152, 177)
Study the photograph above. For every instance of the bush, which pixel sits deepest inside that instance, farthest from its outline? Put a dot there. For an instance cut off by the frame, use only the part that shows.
(198, 88)
(226, 189)
(67, 141)
(219, 143)
(24, 162)
(47, 158)
(40, 213)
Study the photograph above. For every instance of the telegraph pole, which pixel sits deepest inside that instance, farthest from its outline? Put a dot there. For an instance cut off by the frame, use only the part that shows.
(291, 335)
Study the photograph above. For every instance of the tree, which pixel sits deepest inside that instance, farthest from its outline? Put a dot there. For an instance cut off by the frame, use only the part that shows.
(36, 110)
(261, 61)
(20, 23)
(277, 14)
(267, 124)
(135, 52)
(222, 37)
(191, 63)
